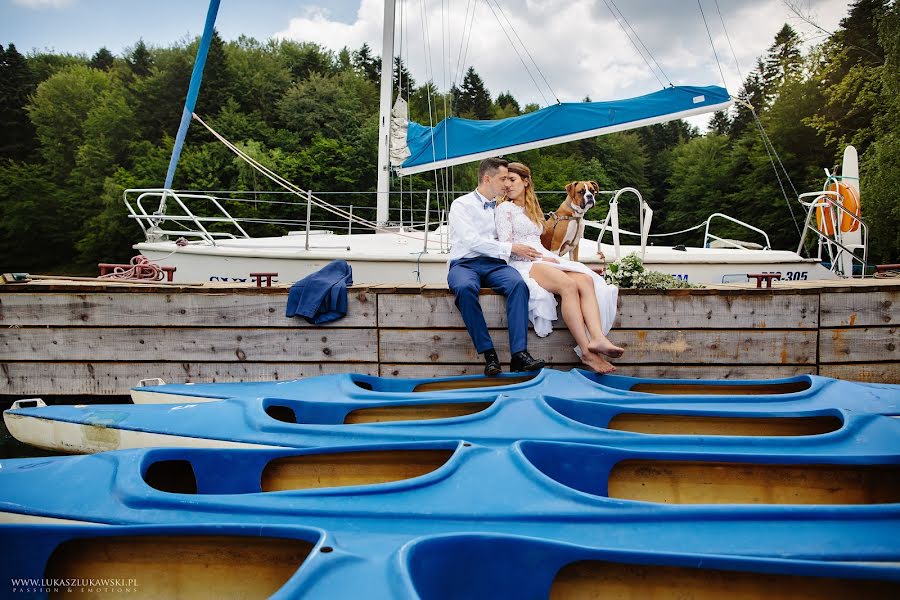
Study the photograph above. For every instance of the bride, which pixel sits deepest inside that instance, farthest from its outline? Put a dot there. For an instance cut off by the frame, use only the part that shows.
(588, 302)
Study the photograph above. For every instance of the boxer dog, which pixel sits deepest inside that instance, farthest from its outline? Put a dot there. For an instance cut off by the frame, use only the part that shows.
(564, 228)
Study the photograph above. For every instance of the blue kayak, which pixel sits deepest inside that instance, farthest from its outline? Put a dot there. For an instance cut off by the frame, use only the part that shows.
(574, 407)
(299, 562)
(522, 520)
(576, 383)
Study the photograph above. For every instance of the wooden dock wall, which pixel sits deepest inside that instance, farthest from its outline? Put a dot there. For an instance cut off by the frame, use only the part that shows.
(100, 339)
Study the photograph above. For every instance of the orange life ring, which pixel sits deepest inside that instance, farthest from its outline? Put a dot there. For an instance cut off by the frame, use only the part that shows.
(849, 200)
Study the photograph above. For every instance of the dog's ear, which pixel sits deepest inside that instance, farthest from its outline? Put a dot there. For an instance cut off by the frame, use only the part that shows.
(570, 189)
(594, 186)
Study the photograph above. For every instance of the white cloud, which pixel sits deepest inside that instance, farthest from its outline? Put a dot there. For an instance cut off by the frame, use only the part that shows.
(44, 3)
(577, 45)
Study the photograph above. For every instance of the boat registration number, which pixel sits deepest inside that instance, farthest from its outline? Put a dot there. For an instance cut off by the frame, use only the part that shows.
(792, 275)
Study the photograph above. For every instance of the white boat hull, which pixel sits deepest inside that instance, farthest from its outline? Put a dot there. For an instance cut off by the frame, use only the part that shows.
(389, 258)
(78, 438)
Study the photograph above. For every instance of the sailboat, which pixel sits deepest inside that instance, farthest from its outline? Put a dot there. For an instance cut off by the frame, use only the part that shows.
(178, 235)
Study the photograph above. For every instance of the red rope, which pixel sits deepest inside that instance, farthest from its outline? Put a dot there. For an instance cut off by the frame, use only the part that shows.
(139, 267)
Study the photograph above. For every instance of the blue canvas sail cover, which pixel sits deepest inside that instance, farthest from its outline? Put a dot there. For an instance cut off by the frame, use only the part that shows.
(455, 141)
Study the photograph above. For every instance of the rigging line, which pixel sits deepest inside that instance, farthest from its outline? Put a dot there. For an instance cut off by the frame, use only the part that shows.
(391, 115)
(766, 145)
(462, 41)
(445, 70)
(524, 47)
(293, 188)
(728, 37)
(712, 45)
(521, 60)
(625, 31)
(459, 74)
(429, 73)
(647, 50)
(632, 233)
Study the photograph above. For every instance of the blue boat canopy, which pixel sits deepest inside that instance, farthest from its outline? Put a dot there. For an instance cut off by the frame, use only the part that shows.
(455, 141)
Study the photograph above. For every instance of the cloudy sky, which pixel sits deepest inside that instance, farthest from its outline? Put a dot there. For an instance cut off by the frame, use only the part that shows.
(577, 44)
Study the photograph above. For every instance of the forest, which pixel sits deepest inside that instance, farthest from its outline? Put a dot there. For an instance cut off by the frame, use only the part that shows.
(77, 131)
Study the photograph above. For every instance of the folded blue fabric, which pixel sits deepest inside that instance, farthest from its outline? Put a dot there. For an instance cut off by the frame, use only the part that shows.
(321, 297)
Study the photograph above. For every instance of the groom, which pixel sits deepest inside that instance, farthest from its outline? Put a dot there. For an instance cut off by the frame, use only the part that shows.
(477, 259)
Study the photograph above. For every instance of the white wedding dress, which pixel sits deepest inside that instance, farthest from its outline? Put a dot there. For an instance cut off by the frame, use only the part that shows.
(514, 226)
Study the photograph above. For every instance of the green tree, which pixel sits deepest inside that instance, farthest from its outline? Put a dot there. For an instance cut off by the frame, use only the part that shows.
(784, 61)
(753, 92)
(159, 97)
(367, 64)
(43, 64)
(59, 110)
(109, 128)
(218, 81)
(304, 59)
(880, 169)
(260, 72)
(473, 99)
(331, 106)
(698, 176)
(34, 233)
(139, 60)
(506, 106)
(344, 60)
(103, 60)
(402, 79)
(851, 76)
(720, 123)
(16, 85)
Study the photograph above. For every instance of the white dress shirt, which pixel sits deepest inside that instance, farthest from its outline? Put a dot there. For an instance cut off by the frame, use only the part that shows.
(473, 231)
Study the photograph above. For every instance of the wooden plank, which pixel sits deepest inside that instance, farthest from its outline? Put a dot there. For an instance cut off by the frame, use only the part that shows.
(656, 311)
(169, 309)
(871, 372)
(714, 346)
(664, 311)
(26, 379)
(660, 371)
(193, 344)
(860, 309)
(862, 344)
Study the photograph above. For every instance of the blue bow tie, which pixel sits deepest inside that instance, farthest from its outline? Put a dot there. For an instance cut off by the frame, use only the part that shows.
(490, 204)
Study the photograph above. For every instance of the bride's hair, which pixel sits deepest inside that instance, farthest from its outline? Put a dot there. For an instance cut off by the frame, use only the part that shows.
(532, 206)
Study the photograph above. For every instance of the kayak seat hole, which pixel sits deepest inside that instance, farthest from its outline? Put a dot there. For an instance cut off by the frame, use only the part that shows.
(600, 579)
(414, 412)
(179, 566)
(709, 389)
(479, 382)
(285, 414)
(364, 385)
(341, 469)
(173, 476)
(693, 482)
(674, 424)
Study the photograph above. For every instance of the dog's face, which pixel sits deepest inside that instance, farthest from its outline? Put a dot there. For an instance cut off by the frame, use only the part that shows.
(581, 196)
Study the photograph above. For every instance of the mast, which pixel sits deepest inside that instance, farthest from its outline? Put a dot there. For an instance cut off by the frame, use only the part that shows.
(193, 91)
(384, 113)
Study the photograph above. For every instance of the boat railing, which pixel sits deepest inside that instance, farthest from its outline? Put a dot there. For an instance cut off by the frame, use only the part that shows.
(709, 237)
(828, 205)
(205, 216)
(645, 217)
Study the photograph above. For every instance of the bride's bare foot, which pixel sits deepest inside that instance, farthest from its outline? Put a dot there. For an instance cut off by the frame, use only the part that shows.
(604, 346)
(597, 364)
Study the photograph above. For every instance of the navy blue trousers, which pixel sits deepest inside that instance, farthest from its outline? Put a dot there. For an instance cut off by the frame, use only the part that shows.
(466, 278)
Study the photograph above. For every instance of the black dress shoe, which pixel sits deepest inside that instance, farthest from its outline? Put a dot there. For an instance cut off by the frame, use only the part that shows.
(492, 363)
(522, 361)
